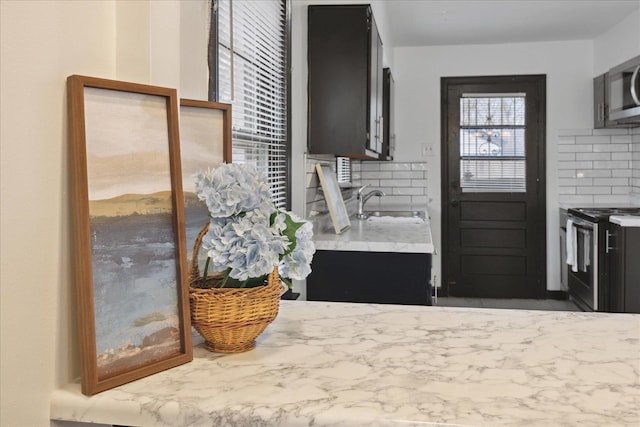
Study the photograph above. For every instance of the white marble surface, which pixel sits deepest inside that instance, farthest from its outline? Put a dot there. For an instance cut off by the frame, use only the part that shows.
(377, 237)
(625, 220)
(341, 364)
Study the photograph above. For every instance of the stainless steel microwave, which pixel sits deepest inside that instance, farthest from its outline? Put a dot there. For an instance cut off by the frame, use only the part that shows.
(624, 92)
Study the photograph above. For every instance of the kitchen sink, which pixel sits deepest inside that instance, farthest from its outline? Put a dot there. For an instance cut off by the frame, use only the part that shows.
(395, 214)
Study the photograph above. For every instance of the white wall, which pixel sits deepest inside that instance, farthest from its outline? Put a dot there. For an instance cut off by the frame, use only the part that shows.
(617, 45)
(417, 71)
(43, 42)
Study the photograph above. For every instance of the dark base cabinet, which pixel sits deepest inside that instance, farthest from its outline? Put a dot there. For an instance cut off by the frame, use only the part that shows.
(370, 277)
(624, 270)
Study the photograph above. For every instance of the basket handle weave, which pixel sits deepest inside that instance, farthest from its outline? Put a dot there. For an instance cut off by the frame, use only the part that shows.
(194, 270)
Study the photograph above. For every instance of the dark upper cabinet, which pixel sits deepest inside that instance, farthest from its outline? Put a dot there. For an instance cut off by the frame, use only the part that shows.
(601, 103)
(345, 84)
(388, 115)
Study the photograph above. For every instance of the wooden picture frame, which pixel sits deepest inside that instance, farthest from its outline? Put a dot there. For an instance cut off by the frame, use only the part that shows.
(333, 197)
(205, 142)
(128, 226)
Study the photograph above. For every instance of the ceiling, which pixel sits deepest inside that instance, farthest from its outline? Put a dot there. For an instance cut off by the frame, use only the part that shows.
(430, 23)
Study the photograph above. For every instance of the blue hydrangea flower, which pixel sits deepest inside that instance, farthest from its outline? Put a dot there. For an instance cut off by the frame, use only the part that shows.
(297, 264)
(247, 236)
(245, 245)
(231, 189)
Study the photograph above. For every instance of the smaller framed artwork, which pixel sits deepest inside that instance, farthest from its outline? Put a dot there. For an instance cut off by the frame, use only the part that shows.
(333, 197)
(128, 227)
(205, 142)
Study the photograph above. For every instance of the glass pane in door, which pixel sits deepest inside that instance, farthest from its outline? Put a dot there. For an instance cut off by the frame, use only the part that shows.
(492, 143)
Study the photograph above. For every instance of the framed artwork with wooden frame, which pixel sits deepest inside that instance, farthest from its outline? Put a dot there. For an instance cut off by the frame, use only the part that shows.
(128, 225)
(333, 197)
(205, 142)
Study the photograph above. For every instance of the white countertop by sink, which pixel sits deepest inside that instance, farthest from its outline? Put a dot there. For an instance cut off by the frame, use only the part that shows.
(377, 237)
(625, 220)
(342, 364)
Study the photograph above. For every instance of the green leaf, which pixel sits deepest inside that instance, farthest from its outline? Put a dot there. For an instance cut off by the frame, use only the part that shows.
(251, 282)
(290, 232)
(287, 282)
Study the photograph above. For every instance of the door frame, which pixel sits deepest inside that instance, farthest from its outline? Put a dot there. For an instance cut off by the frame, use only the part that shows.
(540, 81)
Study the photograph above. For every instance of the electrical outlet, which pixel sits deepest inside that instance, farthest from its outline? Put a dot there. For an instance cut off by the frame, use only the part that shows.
(427, 150)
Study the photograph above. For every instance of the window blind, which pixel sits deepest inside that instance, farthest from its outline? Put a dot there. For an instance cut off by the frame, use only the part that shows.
(252, 68)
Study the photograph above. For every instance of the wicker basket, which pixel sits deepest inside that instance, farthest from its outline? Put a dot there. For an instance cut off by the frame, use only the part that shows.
(230, 319)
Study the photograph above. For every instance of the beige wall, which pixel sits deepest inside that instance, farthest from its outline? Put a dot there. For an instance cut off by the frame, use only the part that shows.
(43, 42)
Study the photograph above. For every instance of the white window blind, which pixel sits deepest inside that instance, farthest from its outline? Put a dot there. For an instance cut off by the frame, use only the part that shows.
(492, 143)
(252, 76)
(343, 171)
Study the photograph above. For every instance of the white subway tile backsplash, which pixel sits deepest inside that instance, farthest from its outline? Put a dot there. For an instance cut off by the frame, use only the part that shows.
(395, 200)
(592, 156)
(593, 139)
(575, 165)
(593, 173)
(379, 175)
(577, 199)
(603, 167)
(611, 181)
(407, 175)
(621, 139)
(375, 183)
(395, 166)
(395, 182)
(612, 199)
(593, 190)
(408, 191)
(618, 164)
(621, 173)
(568, 182)
(370, 166)
(610, 148)
(621, 156)
(620, 190)
(610, 131)
(404, 184)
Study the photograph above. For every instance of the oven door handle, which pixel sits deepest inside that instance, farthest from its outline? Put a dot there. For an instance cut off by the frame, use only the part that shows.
(580, 223)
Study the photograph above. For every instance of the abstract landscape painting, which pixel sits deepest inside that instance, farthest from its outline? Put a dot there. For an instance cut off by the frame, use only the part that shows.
(136, 257)
(133, 248)
(205, 142)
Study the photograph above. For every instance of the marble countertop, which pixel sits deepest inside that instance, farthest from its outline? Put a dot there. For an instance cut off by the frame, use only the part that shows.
(378, 237)
(342, 364)
(625, 220)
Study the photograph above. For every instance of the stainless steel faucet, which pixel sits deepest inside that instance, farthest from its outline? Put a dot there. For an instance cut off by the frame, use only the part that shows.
(362, 199)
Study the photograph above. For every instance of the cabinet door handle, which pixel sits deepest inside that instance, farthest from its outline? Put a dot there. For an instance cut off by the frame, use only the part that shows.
(600, 112)
(608, 247)
(377, 134)
(634, 94)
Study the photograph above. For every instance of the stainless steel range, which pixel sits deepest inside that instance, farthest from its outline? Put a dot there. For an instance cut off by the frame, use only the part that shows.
(587, 244)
